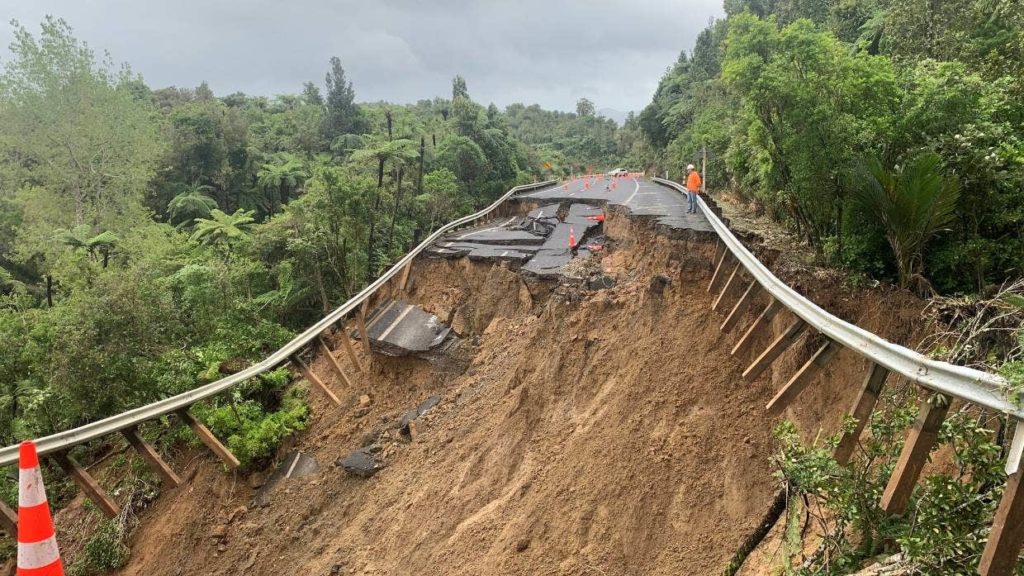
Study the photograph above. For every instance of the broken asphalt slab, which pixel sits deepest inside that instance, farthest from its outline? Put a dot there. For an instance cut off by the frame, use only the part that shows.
(401, 329)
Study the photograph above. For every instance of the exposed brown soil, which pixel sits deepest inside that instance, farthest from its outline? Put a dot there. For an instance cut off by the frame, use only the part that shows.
(605, 432)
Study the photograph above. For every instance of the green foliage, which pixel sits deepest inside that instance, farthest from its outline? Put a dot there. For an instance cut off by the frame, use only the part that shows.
(789, 95)
(944, 529)
(223, 230)
(187, 207)
(106, 550)
(914, 203)
(259, 416)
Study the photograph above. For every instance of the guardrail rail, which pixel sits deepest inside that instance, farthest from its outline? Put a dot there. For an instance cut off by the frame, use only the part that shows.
(736, 267)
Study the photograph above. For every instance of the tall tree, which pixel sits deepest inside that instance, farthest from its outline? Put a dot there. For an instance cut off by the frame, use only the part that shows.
(459, 89)
(342, 112)
(585, 107)
(381, 151)
(73, 132)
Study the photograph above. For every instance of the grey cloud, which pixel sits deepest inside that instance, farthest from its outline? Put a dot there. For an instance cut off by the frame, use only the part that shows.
(532, 51)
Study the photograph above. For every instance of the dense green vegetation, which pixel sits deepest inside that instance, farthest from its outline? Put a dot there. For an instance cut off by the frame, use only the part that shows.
(795, 99)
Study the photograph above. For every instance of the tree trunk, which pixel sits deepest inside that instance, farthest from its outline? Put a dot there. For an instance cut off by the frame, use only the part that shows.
(419, 182)
(394, 213)
(49, 291)
(373, 221)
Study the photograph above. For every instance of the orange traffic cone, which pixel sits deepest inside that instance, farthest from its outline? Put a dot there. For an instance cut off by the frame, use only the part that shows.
(37, 541)
(572, 238)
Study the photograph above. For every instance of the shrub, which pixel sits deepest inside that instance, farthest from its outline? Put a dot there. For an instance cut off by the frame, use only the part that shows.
(259, 416)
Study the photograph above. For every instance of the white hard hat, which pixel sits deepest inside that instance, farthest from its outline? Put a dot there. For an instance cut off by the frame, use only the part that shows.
(690, 167)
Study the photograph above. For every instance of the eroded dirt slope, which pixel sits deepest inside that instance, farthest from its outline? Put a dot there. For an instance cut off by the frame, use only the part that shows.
(579, 432)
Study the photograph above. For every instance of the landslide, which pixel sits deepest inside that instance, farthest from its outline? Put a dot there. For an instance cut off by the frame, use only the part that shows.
(579, 432)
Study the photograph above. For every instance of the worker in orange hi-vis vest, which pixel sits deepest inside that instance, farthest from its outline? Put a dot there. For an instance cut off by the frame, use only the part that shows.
(692, 187)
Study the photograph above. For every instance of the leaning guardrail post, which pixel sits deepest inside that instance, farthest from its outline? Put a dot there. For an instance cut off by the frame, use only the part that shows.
(861, 411)
(915, 452)
(775, 349)
(759, 324)
(87, 484)
(8, 520)
(314, 379)
(333, 361)
(716, 277)
(740, 306)
(403, 284)
(803, 377)
(152, 458)
(363, 333)
(728, 285)
(1004, 540)
(347, 345)
(208, 438)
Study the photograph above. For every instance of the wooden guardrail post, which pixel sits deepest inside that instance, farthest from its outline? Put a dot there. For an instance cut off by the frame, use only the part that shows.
(1004, 540)
(741, 305)
(361, 320)
(333, 361)
(8, 520)
(861, 411)
(775, 349)
(403, 285)
(87, 484)
(717, 276)
(208, 438)
(915, 452)
(152, 458)
(803, 377)
(314, 379)
(350, 350)
(760, 323)
(728, 285)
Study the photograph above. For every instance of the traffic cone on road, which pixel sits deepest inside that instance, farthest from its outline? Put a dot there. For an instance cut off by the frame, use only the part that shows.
(572, 238)
(37, 541)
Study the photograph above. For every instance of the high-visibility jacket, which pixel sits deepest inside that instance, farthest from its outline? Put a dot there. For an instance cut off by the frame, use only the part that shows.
(693, 182)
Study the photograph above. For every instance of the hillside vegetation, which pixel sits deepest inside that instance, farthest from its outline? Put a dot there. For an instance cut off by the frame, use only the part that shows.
(822, 112)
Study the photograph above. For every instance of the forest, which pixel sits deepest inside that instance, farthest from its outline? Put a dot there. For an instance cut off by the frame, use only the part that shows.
(868, 128)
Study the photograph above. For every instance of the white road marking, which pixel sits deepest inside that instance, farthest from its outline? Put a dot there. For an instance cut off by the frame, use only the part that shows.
(635, 190)
(397, 320)
(464, 236)
(381, 315)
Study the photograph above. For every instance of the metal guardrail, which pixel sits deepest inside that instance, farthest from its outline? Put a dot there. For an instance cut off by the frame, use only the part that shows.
(975, 386)
(64, 440)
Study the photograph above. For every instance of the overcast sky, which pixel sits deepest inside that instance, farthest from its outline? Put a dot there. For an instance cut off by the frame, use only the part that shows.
(548, 52)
